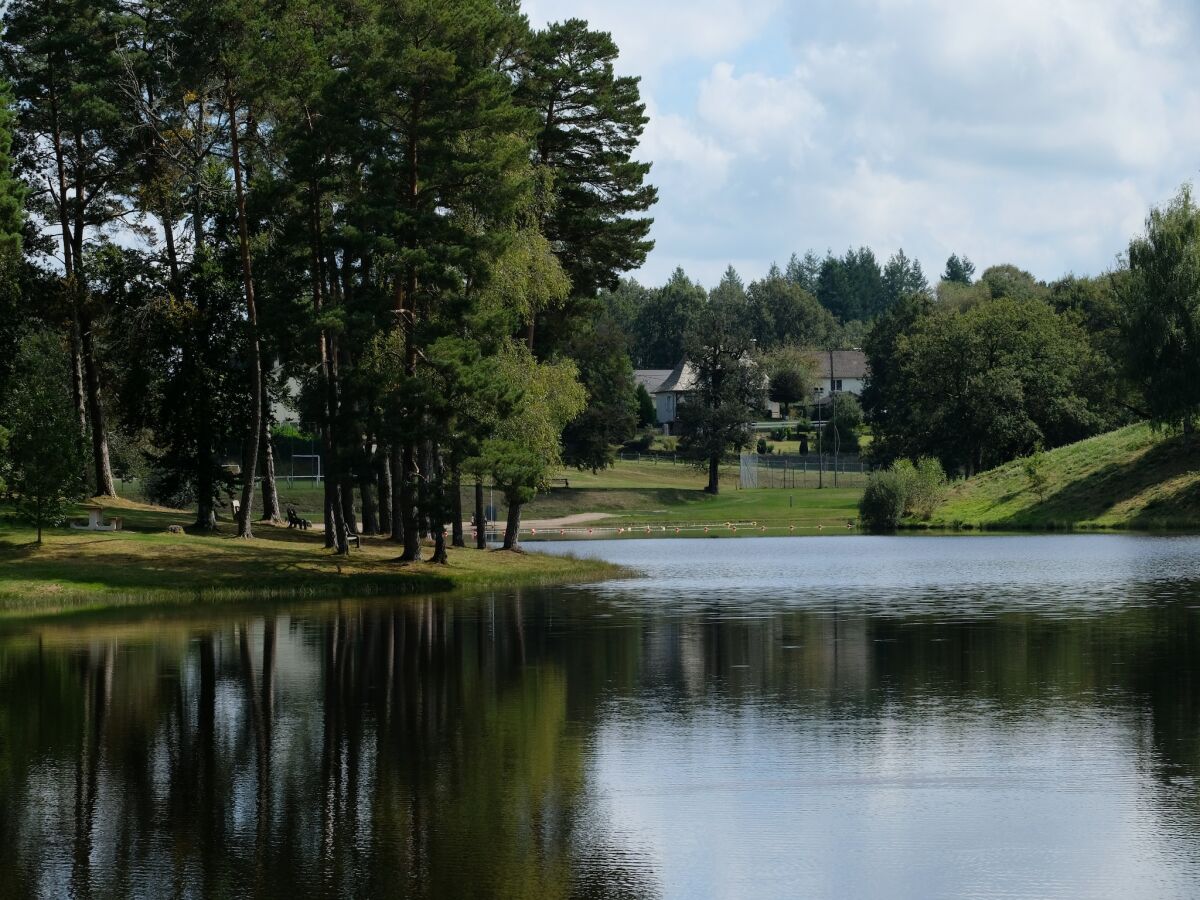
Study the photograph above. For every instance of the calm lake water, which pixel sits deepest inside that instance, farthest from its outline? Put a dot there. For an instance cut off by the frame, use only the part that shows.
(836, 717)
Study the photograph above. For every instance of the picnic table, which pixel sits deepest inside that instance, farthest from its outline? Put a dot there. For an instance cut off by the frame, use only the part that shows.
(96, 521)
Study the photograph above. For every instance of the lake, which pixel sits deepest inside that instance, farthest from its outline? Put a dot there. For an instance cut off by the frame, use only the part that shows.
(842, 717)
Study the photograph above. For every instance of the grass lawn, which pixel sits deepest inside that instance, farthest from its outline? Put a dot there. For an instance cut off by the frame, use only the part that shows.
(75, 570)
(1131, 478)
(648, 490)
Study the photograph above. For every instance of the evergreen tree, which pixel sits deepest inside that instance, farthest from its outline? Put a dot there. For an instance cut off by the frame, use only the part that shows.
(959, 270)
(608, 420)
(589, 122)
(903, 276)
(61, 57)
(44, 447)
(663, 319)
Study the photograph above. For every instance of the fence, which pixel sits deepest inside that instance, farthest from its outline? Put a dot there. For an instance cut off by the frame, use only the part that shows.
(793, 471)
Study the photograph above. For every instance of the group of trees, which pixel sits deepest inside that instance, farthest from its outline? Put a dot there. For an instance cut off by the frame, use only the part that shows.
(984, 371)
(811, 302)
(408, 208)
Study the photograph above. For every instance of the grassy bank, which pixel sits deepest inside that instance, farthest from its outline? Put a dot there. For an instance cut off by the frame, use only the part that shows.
(1132, 478)
(144, 564)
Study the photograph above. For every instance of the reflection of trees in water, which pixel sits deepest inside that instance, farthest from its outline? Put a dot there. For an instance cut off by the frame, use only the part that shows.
(427, 746)
(422, 749)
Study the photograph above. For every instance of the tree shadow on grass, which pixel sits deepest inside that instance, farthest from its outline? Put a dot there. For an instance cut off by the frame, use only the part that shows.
(1091, 497)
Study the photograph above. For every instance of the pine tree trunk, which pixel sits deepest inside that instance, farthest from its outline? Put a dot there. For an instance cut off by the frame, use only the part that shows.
(437, 509)
(480, 521)
(383, 466)
(347, 495)
(408, 504)
(103, 469)
(250, 456)
(714, 474)
(512, 528)
(396, 467)
(456, 510)
(329, 503)
(370, 513)
(77, 392)
(270, 494)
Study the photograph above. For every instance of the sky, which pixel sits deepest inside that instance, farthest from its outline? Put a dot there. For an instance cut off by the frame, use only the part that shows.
(1033, 132)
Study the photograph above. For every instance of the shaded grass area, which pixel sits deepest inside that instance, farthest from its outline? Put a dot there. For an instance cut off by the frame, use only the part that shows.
(75, 571)
(1131, 478)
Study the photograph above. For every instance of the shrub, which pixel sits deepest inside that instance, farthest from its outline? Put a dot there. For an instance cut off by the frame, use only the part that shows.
(928, 488)
(883, 502)
(641, 442)
(779, 434)
(1034, 466)
(763, 449)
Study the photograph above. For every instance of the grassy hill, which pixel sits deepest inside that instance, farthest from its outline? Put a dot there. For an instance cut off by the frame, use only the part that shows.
(1131, 478)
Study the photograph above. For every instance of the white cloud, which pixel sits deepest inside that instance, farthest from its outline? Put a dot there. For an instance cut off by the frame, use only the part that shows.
(756, 112)
(659, 33)
(1036, 132)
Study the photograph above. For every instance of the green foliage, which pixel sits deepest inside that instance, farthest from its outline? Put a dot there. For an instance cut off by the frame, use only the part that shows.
(664, 319)
(981, 386)
(12, 190)
(844, 426)
(1034, 466)
(903, 277)
(526, 446)
(1160, 324)
(647, 415)
(791, 374)
(761, 447)
(1010, 281)
(852, 287)
(589, 124)
(610, 416)
(785, 313)
(883, 501)
(45, 454)
(959, 269)
(903, 490)
(924, 486)
(730, 388)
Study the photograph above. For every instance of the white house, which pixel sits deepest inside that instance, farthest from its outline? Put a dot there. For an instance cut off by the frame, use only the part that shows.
(837, 372)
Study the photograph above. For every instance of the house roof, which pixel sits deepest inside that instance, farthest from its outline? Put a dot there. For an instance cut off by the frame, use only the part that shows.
(846, 364)
(650, 379)
(679, 380)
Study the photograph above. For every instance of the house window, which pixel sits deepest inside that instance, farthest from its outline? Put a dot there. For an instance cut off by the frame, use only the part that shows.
(837, 384)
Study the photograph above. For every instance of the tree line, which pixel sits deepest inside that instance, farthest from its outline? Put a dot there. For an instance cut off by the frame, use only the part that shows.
(407, 208)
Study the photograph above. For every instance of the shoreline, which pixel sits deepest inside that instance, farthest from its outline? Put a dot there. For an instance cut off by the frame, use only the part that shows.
(87, 573)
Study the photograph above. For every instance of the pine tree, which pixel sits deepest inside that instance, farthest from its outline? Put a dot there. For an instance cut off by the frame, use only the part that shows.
(589, 124)
(959, 270)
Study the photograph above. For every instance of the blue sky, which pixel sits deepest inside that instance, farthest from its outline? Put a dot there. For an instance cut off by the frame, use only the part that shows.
(1037, 133)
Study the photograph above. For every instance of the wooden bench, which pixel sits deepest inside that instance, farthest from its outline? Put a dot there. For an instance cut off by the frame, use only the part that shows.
(558, 482)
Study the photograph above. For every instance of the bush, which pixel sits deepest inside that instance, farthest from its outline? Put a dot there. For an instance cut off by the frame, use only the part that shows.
(763, 449)
(640, 443)
(779, 434)
(929, 488)
(903, 490)
(883, 502)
